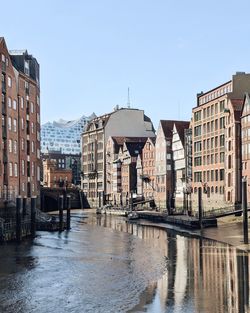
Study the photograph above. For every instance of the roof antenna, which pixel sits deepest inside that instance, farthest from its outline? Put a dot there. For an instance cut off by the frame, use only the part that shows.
(128, 99)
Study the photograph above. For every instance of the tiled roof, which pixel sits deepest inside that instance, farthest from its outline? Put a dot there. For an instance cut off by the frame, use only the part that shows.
(167, 126)
(237, 105)
(135, 148)
(120, 140)
(180, 127)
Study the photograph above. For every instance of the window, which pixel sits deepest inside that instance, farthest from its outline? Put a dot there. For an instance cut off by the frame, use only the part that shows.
(38, 173)
(221, 174)
(197, 131)
(14, 125)
(9, 102)
(9, 82)
(197, 116)
(222, 122)
(168, 167)
(23, 167)
(31, 107)
(197, 177)
(216, 175)
(10, 169)
(22, 144)
(222, 105)
(222, 140)
(10, 145)
(26, 67)
(168, 156)
(15, 169)
(32, 127)
(9, 123)
(32, 169)
(222, 156)
(197, 161)
(15, 146)
(14, 104)
(22, 123)
(216, 124)
(197, 146)
(22, 102)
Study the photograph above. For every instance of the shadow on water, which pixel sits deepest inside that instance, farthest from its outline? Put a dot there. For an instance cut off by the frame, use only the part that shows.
(200, 275)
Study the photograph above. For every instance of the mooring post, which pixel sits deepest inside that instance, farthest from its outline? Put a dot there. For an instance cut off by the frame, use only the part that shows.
(131, 200)
(33, 216)
(99, 200)
(24, 206)
(200, 206)
(68, 204)
(61, 213)
(244, 209)
(18, 219)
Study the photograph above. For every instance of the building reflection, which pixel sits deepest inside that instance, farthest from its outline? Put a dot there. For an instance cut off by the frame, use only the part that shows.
(200, 275)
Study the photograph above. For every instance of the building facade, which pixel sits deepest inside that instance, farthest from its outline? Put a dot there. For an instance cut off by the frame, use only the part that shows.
(54, 177)
(20, 131)
(64, 161)
(245, 141)
(164, 165)
(64, 136)
(148, 168)
(216, 143)
(179, 163)
(124, 122)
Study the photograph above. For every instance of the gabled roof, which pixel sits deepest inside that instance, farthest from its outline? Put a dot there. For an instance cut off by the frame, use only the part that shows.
(237, 105)
(246, 98)
(135, 148)
(119, 141)
(152, 140)
(168, 125)
(180, 127)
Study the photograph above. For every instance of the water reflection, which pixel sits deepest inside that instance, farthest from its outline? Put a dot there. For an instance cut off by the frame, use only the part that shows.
(200, 275)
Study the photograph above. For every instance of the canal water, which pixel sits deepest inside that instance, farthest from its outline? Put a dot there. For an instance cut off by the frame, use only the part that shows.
(105, 264)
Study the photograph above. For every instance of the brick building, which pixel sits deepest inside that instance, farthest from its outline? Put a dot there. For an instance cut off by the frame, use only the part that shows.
(164, 165)
(216, 143)
(148, 168)
(179, 163)
(120, 123)
(122, 155)
(20, 131)
(245, 140)
(54, 176)
(64, 161)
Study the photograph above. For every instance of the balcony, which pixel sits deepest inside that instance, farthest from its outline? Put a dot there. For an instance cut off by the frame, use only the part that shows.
(4, 133)
(3, 66)
(5, 158)
(4, 111)
(3, 87)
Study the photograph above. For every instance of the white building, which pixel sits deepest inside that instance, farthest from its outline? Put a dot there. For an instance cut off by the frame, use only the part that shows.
(122, 122)
(64, 136)
(179, 162)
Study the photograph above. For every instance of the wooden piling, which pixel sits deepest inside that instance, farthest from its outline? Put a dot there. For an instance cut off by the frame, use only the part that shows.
(60, 205)
(33, 217)
(18, 219)
(68, 205)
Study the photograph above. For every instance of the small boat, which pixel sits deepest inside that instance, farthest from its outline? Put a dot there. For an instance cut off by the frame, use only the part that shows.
(133, 216)
(100, 211)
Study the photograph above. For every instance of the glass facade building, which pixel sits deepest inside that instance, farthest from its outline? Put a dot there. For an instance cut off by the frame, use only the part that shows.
(63, 136)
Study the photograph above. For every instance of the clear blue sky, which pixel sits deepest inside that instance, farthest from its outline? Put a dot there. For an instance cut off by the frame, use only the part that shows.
(165, 51)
